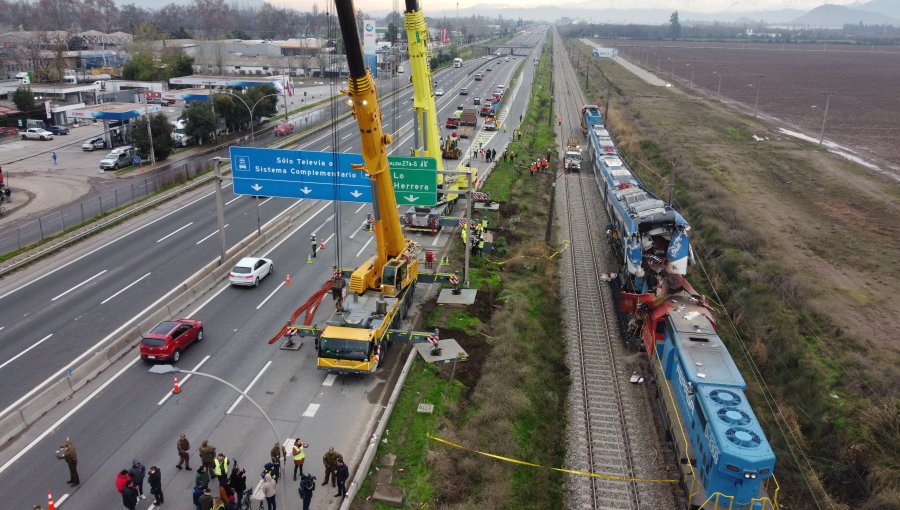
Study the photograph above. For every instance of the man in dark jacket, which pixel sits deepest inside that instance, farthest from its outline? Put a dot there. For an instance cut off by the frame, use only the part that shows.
(71, 457)
(155, 481)
(207, 455)
(196, 493)
(137, 473)
(206, 500)
(342, 473)
(130, 495)
(184, 452)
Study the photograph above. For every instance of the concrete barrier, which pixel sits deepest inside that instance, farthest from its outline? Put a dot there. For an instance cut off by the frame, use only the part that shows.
(204, 284)
(88, 369)
(45, 400)
(153, 319)
(121, 345)
(10, 426)
(180, 302)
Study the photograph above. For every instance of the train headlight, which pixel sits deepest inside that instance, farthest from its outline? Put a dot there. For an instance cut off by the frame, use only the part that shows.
(750, 475)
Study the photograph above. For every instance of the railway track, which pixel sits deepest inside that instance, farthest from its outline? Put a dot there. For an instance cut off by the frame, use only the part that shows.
(613, 425)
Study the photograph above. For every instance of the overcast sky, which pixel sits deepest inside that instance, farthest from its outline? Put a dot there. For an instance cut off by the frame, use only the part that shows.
(683, 5)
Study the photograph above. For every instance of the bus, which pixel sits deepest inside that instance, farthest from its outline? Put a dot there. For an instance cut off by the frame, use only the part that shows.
(457, 62)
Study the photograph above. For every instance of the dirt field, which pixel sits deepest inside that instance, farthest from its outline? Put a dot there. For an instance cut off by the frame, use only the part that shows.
(864, 108)
(802, 245)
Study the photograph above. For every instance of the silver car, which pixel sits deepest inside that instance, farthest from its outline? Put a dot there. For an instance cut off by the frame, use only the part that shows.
(250, 270)
(94, 144)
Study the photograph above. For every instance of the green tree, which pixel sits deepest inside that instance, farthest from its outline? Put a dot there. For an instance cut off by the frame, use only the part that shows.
(392, 33)
(240, 34)
(180, 33)
(180, 65)
(200, 123)
(674, 25)
(265, 106)
(24, 99)
(141, 67)
(162, 136)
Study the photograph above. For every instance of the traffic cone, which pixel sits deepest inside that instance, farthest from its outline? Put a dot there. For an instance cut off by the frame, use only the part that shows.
(176, 389)
(287, 279)
(322, 245)
(445, 262)
(308, 258)
(50, 505)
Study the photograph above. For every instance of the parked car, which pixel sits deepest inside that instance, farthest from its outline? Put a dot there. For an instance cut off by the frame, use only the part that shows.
(118, 158)
(168, 339)
(250, 270)
(439, 91)
(36, 134)
(58, 130)
(94, 144)
(285, 128)
(452, 122)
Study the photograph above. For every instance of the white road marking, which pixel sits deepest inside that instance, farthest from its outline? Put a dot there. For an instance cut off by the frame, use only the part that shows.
(364, 247)
(216, 231)
(264, 201)
(311, 410)
(17, 356)
(61, 500)
(357, 212)
(280, 285)
(361, 225)
(233, 199)
(347, 149)
(126, 288)
(21, 453)
(347, 136)
(326, 148)
(175, 232)
(247, 389)
(2, 328)
(329, 380)
(186, 378)
(320, 227)
(326, 241)
(79, 285)
(437, 237)
(287, 443)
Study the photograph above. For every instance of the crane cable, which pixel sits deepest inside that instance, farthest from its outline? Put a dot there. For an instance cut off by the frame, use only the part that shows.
(331, 32)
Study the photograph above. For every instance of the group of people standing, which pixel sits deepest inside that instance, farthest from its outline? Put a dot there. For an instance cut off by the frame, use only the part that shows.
(130, 484)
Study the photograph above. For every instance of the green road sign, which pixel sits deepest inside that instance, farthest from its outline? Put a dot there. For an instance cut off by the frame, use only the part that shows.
(415, 180)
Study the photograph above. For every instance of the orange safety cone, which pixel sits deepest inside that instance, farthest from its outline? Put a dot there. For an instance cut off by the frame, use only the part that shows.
(142, 169)
(287, 279)
(176, 389)
(322, 245)
(50, 505)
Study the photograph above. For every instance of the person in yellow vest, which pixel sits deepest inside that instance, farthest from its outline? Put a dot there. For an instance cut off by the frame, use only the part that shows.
(463, 234)
(299, 454)
(221, 469)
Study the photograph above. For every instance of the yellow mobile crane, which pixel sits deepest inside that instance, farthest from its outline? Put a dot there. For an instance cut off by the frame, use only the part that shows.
(425, 119)
(355, 339)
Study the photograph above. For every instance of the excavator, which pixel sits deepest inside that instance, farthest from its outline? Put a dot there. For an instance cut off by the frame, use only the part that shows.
(425, 121)
(356, 338)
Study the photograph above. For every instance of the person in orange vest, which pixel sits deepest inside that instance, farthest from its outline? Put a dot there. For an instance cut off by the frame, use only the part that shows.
(299, 453)
(532, 168)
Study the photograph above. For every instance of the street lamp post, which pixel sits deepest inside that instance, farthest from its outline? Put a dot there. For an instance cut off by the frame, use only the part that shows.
(824, 117)
(694, 59)
(251, 110)
(172, 369)
(719, 88)
(759, 78)
(220, 209)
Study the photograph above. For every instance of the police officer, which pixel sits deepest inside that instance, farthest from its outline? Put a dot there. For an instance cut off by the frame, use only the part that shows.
(312, 240)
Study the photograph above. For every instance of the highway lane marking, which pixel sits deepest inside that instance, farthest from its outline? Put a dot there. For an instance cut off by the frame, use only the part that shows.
(15, 458)
(216, 231)
(438, 236)
(264, 201)
(2, 328)
(287, 443)
(364, 247)
(357, 212)
(280, 285)
(247, 389)
(79, 285)
(186, 378)
(175, 232)
(347, 136)
(326, 241)
(311, 410)
(95, 250)
(124, 289)
(347, 149)
(329, 380)
(320, 227)
(17, 356)
(363, 224)
(61, 500)
(233, 199)
(326, 148)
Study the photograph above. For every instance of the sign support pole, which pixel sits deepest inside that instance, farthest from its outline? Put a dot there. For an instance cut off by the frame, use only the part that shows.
(220, 210)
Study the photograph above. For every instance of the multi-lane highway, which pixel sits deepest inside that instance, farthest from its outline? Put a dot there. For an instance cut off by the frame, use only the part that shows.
(58, 311)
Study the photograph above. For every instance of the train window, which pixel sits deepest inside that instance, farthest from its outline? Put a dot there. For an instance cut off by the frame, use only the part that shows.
(698, 339)
(764, 471)
(700, 416)
(733, 468)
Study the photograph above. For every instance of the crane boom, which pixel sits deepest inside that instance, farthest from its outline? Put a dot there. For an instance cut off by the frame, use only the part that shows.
(427, 132)
(393, 266)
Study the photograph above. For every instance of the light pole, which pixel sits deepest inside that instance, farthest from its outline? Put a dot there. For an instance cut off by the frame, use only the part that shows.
(172, 369)
(220, 209)
(694, 59)
(251, 110)
(759, 78)
(673, 66)
(719, 72)
(824, 117)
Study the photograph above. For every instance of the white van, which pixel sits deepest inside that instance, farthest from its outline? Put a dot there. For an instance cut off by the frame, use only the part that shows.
(400, 70)
(24, 78)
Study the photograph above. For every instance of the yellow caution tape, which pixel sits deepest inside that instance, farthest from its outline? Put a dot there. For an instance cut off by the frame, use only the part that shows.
(561, 470)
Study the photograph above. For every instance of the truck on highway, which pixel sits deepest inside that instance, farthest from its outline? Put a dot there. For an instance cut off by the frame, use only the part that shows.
(468, 121)
(457, 62)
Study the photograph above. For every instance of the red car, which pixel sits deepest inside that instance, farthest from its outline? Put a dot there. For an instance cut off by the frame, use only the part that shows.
(168, 339)
(486, 110)
(452, 123)
(284, 129)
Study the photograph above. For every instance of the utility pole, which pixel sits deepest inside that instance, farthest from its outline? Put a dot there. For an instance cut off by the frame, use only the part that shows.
(149, 132)
(824, 117)
(606, 108)
(719, 89)
(759, 78)
(220, 210)
(693, 65)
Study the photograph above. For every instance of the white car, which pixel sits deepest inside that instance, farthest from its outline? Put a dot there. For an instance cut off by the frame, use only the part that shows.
(250, 270)
(439, 91)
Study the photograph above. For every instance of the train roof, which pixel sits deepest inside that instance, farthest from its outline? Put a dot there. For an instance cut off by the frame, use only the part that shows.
(703, 354)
